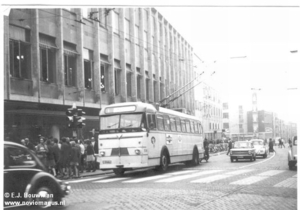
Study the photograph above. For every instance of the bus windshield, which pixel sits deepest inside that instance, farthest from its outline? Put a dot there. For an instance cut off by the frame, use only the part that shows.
(122, 121)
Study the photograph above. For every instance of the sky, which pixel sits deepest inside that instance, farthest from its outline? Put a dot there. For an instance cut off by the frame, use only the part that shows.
(261, 32)
(251, 47)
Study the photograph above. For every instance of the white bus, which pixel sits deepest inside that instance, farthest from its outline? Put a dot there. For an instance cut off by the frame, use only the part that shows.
(138, 135)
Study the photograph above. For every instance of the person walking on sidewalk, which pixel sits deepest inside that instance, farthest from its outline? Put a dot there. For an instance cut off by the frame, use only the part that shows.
(271, 149)
(82, 156)
(206, 148)
(50, 157)
(229, 146)
(90, 156)
(74, 159)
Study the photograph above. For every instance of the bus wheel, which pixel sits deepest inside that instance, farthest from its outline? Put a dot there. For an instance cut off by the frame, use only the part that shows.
(119, 171)
(195, 160)
(164, 162)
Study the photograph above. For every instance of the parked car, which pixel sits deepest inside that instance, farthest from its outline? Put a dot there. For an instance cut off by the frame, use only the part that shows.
(261, 149)
(27, 180)
(243, 150)
(292, 155)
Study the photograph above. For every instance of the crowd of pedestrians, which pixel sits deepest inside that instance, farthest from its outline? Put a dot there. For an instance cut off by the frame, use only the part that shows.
(67, 158)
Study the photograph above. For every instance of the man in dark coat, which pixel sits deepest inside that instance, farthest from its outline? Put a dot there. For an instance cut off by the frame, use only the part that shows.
(29, 145)
(206, 148)
(229, 146)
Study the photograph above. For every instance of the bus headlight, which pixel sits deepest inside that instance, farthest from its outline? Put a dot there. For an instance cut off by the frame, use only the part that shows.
(137, 151)
(102, 153)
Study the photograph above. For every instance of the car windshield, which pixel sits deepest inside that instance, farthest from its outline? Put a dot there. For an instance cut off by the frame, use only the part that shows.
(257, 143)
(242, 145)
(120, 121)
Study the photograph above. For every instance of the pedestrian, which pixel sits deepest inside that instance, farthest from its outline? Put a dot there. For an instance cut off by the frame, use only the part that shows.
(82, 156)
(74, 159)
(23, 142)
(56, 150)
(50, 157)
(229, 146)
(90, 156)
(28, 144)
(41, 150)
(206, 148)
(65, 158)
(290, 143)
(282, 143)
(271, 149)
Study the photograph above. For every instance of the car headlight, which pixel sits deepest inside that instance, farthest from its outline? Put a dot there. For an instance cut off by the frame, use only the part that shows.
(137, 151)
(250, 152)
(102, 153)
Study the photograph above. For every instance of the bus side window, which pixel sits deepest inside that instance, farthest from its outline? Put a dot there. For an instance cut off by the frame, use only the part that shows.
(178, 125)
(173, 125)
(167, 122)
(192, 127)
(188, 126)
(183, 126)
(160, 122)
(196, 128)
(200, 129)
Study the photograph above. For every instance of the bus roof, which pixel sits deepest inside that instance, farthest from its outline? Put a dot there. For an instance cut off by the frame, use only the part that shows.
(142, 107)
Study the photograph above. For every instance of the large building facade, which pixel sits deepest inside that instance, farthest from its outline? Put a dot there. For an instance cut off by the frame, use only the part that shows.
(235, 121)
(91, 57)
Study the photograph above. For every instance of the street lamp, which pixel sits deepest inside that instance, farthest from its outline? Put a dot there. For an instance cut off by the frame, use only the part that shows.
(255, 110)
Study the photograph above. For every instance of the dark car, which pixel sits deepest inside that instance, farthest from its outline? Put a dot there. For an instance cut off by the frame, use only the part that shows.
(27, 181)
(243, 150)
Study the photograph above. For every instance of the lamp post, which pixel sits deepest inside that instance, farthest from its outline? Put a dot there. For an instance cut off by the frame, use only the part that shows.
(255, 111)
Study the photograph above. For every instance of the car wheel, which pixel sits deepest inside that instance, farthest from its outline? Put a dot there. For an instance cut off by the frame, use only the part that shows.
(195, 160)
(254, 158)
(44, 196)
(251, 159)
(231, 158)
(291, 165)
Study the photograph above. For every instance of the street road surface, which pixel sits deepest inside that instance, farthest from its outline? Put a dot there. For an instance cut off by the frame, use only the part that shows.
(219, 184)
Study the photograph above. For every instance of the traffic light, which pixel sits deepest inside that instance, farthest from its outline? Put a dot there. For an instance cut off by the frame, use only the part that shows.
(80, 120)
(71, 112)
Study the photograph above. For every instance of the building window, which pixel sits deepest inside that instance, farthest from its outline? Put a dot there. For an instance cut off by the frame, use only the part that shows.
(117, 81)
(103, 18)
(147, 88)
(70, 63)
(226, 125)
(88, 68)
(103, 84)
(128, 81)
(225, 115)
(116, 23)
(225, 106)
(47, 58)
(48, 62)
(138, 82)
(19, 59)
(70, 70)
